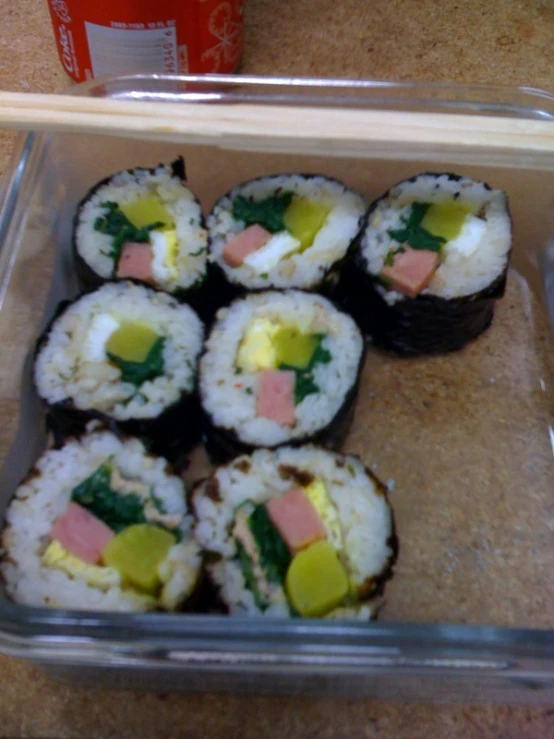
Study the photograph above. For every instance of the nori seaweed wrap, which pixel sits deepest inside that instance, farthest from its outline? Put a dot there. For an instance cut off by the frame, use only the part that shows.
(144, 225)
(283, 231)
(100, 524)
(296, 532)
(431, 259)
(279, 368)
(125, 355)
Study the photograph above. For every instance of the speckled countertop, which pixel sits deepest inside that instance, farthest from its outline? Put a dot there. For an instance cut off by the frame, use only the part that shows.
(500, 41)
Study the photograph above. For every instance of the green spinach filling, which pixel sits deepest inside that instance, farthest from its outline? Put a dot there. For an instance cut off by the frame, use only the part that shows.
(413, 232)
(274, 553)
(305, 384)
(139, 372)
(268, 213)
(117, 510)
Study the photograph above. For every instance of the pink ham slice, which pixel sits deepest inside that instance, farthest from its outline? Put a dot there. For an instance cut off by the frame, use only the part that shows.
(412, 270)
(244, 243)
(296, 519)
(275, 396)
(81, 533)
(135, 262)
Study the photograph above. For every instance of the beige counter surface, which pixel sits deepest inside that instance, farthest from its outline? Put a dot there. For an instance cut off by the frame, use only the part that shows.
(499, 41)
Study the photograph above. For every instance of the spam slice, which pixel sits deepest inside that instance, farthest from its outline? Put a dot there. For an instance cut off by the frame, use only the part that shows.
(81, 533)
(296, 519)
(273, 546)
(237, 249)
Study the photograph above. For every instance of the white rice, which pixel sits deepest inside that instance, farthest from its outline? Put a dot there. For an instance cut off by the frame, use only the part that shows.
(62, 374)
(364, 514)
(229, 399)
(459, 274)
(301, 270)
(181, 204)
(45, 495)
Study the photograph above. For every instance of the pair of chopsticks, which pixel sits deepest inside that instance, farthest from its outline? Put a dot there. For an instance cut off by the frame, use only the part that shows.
(298, 130)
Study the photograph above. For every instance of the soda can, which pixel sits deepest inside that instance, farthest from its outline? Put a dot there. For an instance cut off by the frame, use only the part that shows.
(115, 37)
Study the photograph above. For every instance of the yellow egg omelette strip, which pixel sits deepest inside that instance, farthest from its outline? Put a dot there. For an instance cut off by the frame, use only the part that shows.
(57, 557)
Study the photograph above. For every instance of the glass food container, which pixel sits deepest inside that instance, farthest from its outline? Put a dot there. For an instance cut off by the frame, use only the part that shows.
(465, 440)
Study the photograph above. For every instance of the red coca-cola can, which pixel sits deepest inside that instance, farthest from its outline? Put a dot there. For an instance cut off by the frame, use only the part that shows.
(112, 37)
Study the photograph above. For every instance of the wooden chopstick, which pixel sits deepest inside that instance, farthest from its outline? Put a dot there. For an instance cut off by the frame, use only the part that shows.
(346, 132)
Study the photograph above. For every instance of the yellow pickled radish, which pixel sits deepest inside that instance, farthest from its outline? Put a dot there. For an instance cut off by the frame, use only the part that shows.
(316, 581)
(295, 348)
(137, 552)
(445, 219)
(303, 219)
(132, 341)
(145, 211)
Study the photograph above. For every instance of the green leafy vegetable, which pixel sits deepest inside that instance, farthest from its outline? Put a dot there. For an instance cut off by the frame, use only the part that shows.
(117, 510)
(385, 281)
(274, 554)
(413, 232)
(158, 504)
(139, 372)
(267, 213)
(116, 224)
(248, 572)
(320, 355)
(389, 259)
(305, 384)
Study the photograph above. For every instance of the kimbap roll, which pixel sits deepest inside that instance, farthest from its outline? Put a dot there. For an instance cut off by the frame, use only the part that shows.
(279, 367)
(125, 354)
(296, 532)
(283, 231)
(99, 524)
(144, 225)
(429, 263)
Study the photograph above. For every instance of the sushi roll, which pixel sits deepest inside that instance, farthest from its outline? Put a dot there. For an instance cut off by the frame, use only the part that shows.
(144, 225)
(278, 368)
(127, 355)
(99, 524)
(283, 231)
(429, 263)
(296, 532)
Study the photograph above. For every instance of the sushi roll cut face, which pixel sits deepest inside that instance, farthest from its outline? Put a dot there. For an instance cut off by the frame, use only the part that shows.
(100, 525)
(296, 532)
(437, 235)
(146, 225)
(278, 366)
(283, 231)
(124, 350)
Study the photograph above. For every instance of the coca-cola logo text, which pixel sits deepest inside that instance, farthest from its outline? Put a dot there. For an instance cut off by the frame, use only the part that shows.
(66, 49)
(61, 10)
